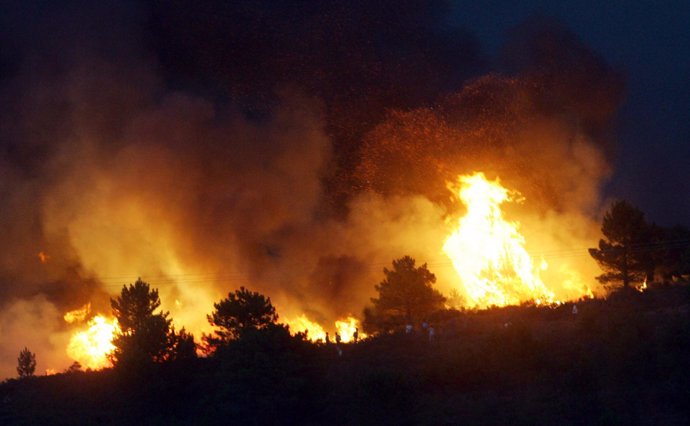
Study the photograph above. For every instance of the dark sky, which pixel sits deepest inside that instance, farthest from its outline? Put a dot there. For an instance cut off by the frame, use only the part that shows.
(650, 42)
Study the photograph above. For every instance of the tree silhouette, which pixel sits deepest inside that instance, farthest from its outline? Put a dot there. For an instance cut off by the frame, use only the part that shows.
(241, 311)
(406, 296)
(144, 333)
(74, 368)
(181, 345)
(625, 255)
(26, 363)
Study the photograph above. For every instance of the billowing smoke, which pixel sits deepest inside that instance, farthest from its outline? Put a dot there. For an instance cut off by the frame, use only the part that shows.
(295, 151)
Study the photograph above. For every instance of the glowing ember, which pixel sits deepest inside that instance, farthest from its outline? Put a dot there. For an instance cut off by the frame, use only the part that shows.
(91, 347)
(302, 324)
(488, 252)
(346, 328)
(43, 257)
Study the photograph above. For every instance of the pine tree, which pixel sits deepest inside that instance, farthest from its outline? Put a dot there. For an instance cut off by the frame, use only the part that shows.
(625, 255)
(26, 363)
(144, 333)
(242, 311)
(406, 296)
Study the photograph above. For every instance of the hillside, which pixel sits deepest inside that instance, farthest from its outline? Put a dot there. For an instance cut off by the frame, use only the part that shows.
(623, 360)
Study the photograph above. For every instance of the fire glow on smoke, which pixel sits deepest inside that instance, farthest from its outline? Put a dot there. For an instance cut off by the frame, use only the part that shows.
(488, 253)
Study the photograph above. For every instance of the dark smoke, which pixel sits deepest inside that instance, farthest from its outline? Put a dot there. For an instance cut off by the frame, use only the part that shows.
(552, 94)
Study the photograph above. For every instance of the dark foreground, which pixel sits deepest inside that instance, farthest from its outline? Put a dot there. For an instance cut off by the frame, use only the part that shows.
(625, 360)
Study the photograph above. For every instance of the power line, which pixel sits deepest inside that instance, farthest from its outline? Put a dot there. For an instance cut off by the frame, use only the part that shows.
(238, 276)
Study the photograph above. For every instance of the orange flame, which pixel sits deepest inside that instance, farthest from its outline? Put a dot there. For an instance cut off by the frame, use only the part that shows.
(488, 252)
(91, 347)
(347, 327)
(315, 332)
(77, 315)
(303, 324)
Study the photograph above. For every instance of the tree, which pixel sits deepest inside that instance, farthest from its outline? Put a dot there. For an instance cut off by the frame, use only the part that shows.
(241, 311)
(144, 333)
(406, 296)
(26, 363)
(181, 345)
(625, 255)
(74, 368)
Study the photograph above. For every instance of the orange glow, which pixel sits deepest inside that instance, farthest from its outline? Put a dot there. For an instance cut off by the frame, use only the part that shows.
(303, 324)
(488, 252)
(91, 347)
(315, 332)
(77, 315)
(43, 257)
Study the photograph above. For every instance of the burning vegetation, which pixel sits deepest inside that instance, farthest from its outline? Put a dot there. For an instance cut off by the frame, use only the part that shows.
(490, 256)
(487, 251)
(144, 152)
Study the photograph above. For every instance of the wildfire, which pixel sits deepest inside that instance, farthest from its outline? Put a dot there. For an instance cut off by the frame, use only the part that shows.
(488, 252)
(91, 347)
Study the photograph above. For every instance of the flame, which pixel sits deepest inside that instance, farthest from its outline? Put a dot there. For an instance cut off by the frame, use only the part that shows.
(77, 315)
(488, 252)
(303, 324)
(643, 286)
(91, 347)
(347, 327)
(315, 332)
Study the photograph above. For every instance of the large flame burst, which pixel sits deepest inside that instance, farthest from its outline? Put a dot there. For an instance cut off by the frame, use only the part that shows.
(488, 252)
(90, 347)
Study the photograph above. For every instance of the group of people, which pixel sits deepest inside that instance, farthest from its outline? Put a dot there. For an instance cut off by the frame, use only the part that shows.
(338, 338)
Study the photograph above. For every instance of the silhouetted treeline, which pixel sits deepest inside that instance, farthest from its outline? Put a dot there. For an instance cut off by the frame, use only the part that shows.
(623, 360)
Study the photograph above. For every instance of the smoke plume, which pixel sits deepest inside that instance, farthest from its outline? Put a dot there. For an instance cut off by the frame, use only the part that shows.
(292, 150)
